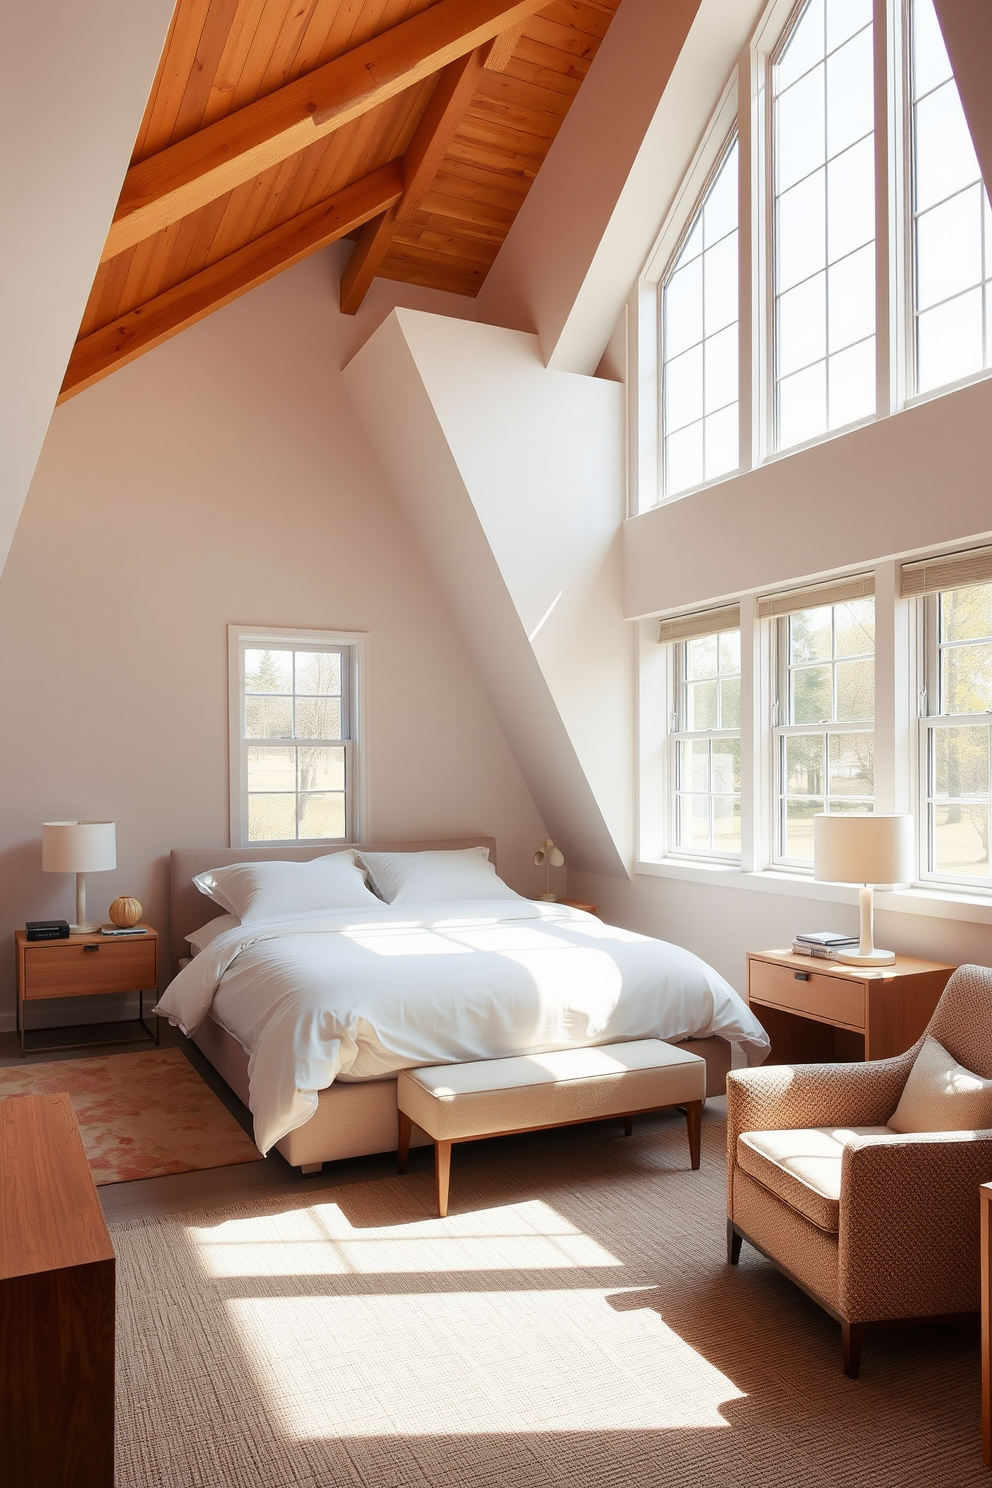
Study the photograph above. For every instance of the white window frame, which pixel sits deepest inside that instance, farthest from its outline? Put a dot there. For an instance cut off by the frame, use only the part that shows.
(746, 108)
(353, 646)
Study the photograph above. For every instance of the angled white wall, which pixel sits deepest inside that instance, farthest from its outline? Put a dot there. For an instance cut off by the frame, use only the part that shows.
(74, 79)
(967, 31)
(512, 476)
(592, 215)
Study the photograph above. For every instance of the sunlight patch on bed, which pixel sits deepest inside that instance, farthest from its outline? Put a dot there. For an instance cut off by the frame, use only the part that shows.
(456, 1362)
(321, 1241)
(405, 940)
(583, 982)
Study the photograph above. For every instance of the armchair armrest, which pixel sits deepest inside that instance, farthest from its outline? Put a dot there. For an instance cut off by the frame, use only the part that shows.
(909, 1224)
(782, 1097)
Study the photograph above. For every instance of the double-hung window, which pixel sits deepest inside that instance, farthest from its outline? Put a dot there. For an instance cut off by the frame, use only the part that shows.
(956, 726)
(706, 734)
(824, 708)
(295, 732)
(699, 341)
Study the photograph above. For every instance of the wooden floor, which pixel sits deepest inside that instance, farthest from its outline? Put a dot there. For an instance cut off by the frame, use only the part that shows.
(210, 1187)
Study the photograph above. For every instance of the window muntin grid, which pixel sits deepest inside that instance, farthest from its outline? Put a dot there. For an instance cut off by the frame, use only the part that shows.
(824, 222)
(707, 746)
(824, 738)
(957, 738)
(700, 342)
(296, 726)
(951, 219)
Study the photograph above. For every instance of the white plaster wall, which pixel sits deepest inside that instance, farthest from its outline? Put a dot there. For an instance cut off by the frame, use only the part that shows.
(512, 475)
(722, 924)
(222, 478)
(912, 481)
(73, 83)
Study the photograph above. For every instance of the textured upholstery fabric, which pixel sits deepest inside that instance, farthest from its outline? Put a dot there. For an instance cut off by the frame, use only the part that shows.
(907, 1236)
(452, 1102)
(780, 1231)
(941, 1095)
(803, 1166)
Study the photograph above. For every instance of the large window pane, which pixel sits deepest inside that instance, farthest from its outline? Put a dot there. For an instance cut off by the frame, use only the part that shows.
(707, 745)
(824, 191)
(825, 741)
(700, 344)
(951, 248)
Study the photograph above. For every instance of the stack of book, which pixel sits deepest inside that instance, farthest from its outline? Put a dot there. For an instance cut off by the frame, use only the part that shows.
(829, 944)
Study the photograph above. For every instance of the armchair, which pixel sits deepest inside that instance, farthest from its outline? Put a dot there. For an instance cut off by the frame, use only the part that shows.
(878, 1227)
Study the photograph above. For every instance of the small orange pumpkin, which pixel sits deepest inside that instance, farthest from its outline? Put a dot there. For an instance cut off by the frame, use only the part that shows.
(125, 912)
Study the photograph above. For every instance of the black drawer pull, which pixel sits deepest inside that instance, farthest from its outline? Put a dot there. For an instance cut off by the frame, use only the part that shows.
(800, 976)
(91, 947)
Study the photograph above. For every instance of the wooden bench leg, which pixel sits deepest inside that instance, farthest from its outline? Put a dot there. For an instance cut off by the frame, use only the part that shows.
(403, 1142)
(734, 1242)
(694, 1127)
(442, 1168)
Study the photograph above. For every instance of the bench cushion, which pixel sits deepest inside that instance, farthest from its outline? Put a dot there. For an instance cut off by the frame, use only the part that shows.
(455, 1101)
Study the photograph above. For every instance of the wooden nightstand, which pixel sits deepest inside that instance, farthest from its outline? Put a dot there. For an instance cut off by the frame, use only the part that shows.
(816, 1010)
(592, 909)
(87, 966)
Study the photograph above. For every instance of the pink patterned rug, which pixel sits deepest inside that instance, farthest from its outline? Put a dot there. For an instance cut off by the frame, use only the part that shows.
(140, 1115)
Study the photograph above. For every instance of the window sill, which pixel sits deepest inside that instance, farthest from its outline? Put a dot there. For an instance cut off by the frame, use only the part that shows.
(943, 904)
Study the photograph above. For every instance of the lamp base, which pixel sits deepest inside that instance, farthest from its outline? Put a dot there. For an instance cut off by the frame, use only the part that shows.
(873, 958)
(549, 898)
(83, 929)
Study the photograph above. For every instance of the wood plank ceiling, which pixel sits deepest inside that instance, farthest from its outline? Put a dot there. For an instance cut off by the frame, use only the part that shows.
(275, 127)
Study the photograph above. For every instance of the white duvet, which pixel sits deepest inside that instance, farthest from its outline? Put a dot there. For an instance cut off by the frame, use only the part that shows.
(360, 994)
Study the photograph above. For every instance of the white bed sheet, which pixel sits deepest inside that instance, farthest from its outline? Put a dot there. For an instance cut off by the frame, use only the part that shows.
(360, 994)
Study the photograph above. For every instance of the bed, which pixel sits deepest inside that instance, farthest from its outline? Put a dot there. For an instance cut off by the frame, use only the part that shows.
(356, 1116)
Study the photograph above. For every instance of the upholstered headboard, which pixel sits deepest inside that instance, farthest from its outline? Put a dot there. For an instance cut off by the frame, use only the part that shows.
(191, 909)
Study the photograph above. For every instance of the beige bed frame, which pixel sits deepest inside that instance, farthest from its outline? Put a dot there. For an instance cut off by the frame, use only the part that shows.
(352, 1119)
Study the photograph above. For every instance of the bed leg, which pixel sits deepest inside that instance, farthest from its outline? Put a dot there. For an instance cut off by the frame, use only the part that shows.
(310, 1169)
(403, 1141)
(628, 1125)
(694, 1127)
(442, 1166)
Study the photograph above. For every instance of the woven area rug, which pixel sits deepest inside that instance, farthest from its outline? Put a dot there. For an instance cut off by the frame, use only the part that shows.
(140, 1115)
(572, 1322)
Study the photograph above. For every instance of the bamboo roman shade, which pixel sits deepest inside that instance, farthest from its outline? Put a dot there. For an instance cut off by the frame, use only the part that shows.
(949, 571)
(832, 591)
(700, 623)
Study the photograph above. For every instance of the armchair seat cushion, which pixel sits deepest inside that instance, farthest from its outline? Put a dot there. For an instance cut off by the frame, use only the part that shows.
(802, 1167)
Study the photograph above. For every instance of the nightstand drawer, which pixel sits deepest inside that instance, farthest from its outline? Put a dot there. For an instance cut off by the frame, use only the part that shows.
(833, 999)
(68, 970)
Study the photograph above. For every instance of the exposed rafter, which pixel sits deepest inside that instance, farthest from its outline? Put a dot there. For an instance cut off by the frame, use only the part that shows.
(452, 96)
(177, 181)
(150, 324)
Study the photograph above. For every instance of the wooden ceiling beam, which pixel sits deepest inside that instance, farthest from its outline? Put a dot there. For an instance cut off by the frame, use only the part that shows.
(127, 337)
(455, 90)
(187, 175)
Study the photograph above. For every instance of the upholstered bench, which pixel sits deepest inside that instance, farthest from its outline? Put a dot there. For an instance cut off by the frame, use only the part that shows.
(497, 1097)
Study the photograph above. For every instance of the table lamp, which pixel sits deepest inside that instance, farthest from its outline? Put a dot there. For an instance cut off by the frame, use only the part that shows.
(548, 856)
(866, 850)
(80, 848)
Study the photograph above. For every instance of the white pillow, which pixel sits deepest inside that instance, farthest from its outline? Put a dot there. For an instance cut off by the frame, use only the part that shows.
(264, 891)
(426, 877)
(200, 939)
(941, 1095)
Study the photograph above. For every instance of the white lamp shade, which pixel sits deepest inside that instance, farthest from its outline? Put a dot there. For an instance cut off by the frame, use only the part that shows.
(866, 849)
(78, 847)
